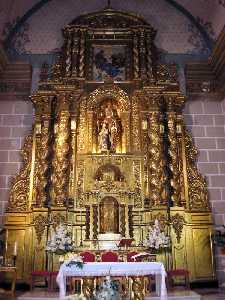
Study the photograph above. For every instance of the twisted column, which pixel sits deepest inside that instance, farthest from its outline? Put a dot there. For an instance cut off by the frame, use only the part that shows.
(75, 52)
(135, 56)
(60, 177)
(82, 48)
(155, 160)
(68, 52)
(43, 157)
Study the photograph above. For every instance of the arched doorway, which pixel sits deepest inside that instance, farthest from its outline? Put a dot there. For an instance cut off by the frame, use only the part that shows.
(109, 215)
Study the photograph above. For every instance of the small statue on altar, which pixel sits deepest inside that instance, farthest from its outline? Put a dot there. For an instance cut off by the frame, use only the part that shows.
(104, 138)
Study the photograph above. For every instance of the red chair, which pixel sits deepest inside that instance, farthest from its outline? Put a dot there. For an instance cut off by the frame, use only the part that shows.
(88, 256)
(178, 273)
(109, 256)
(130, 258)
(40, 274)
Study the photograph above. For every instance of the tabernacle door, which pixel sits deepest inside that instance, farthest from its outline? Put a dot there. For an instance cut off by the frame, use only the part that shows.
(109, 215)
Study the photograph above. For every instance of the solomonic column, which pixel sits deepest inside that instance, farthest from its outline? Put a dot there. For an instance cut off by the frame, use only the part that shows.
(62, 151)
(156, 163)
(43, 153)
(175, 162)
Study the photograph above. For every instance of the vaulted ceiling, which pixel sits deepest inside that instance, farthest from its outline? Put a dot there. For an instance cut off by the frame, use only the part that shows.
(184, 26)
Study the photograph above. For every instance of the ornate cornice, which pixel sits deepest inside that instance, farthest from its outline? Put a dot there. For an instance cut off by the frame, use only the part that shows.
(208, 77)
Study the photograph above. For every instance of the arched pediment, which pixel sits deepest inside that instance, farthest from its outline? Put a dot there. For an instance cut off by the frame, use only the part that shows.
(113, 92)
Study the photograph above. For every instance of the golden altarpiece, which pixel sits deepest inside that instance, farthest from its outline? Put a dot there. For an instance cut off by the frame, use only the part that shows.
(109, 151)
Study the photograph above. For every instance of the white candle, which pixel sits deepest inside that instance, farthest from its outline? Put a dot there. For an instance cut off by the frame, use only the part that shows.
(15, 249)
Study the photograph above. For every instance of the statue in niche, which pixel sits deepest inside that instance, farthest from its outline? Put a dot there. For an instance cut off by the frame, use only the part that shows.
(108, 127)
(104, 138)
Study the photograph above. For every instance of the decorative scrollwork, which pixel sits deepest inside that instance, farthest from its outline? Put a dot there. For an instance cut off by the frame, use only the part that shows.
(58, 219)
(197, 188)
(18, 200)
(178, 224)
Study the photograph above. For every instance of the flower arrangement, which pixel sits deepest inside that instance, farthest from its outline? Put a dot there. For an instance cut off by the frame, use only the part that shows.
(156, 239)
(61, 241)
(76, 260)
(108, 290)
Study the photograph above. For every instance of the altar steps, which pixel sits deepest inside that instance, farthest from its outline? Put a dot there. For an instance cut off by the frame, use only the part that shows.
(177, 295)
(40, 294)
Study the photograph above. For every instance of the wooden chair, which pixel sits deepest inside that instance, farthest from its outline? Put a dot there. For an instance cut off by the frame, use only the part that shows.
(110, 256)
(130, 256)
(171, 274)
(88, 256)
(40, 274)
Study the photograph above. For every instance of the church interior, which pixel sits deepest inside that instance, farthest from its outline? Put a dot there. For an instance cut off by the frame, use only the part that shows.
(112, 149)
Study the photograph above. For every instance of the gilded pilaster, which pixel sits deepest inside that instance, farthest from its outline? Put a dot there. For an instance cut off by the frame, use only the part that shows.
(90, 131)
(62, 151)
(149, 57)
(135, 133)
(82, 128)
(174, 159)
(143, 69)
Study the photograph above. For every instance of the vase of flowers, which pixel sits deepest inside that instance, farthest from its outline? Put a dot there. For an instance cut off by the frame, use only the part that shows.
(60, 243)
(108, 290)
(156, 239)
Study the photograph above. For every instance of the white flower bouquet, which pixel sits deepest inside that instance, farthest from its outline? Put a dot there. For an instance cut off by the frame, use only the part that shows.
(61, 241)
(156, 239)
(108, 290)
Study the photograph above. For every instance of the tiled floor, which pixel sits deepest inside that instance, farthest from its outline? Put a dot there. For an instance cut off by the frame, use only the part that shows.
(206, 294)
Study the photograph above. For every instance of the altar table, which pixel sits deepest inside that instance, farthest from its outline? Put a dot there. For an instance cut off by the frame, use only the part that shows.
(115, 269)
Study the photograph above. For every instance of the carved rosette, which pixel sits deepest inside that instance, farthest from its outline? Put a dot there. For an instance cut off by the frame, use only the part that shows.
(19, 194)
(62, 151)
(197, 188)
(155, 160)
(174, 160)
(43, 152)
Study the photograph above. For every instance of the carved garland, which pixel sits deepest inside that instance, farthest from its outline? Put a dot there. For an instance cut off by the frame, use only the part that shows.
(40, 222)
(178, 224)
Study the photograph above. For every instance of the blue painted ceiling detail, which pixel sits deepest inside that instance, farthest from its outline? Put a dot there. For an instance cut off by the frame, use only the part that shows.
(35, 8)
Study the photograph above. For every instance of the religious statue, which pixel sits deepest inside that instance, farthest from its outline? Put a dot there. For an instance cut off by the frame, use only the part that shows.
(108, 125)
(104, 138)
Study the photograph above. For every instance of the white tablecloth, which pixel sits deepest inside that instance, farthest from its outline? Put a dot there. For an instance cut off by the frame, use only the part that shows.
(117, 269)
